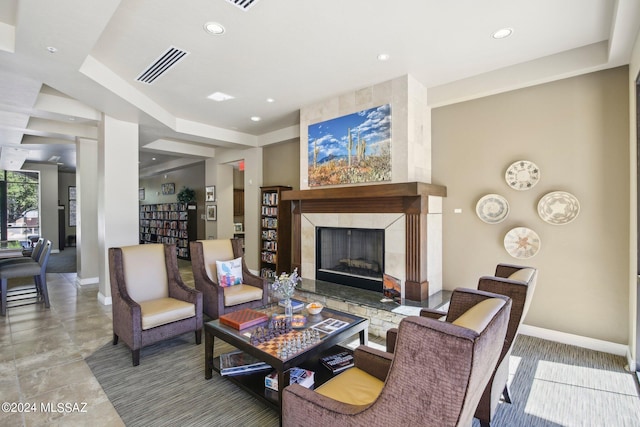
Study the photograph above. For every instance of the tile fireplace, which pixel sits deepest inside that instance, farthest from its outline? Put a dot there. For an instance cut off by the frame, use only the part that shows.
(409, 215)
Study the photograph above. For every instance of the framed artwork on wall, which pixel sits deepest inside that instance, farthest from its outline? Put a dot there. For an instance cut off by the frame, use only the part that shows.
(351, 149)
(141, 194)
(72, 213)
(210, 193)
(212, 212)
(72, 192)
(169, 188)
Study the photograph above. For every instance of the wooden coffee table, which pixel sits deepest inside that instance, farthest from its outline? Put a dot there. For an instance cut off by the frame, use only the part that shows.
(267, 352)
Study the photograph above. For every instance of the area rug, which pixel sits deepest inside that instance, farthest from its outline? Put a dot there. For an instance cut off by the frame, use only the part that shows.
(168, 388)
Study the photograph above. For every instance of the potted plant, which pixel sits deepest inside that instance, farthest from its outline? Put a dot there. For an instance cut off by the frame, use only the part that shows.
(187, 195)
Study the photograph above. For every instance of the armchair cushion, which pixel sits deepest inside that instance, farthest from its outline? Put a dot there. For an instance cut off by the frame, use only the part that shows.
(353, 386)
(145, 272)
(229, 272)
(165, 310)
(523, 275)
(478, 317)
(239, 294)
(213, 250)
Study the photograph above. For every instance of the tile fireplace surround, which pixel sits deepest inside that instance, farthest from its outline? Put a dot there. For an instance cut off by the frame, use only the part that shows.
(410, 214)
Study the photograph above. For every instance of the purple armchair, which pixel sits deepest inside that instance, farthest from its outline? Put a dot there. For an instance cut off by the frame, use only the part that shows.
(435, 377)
(252, 292)
(150, 301)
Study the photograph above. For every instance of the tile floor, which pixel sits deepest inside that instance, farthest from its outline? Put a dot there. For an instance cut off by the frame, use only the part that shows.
(42, 359)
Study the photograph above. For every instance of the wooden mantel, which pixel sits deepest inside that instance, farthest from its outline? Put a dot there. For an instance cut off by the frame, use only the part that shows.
(411, 199)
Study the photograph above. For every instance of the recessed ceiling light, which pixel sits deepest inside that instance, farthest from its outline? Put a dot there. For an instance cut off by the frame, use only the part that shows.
(214, 28)
(256, 118)
(383, 57)
(52, 49)
(219, 96)
(270, 100)
(502, 33)
(153, 158)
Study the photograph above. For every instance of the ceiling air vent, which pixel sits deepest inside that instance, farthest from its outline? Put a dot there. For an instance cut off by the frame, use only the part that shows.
(168, 59)
(243, 4)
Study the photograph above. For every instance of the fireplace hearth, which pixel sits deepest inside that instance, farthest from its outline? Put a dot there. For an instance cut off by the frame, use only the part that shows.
(350, 256)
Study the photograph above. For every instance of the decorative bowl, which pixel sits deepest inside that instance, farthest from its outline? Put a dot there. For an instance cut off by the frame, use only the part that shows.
(314, 308)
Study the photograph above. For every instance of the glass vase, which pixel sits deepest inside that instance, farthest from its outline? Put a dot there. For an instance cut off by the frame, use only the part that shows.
(288, 309)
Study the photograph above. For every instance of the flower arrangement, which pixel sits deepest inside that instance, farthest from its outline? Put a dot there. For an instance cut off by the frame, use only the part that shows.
(285, 285)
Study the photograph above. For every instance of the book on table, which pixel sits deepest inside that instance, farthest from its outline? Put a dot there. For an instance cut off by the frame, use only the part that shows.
(239, 362)
(300, 376)
(243, 319)
(338, 362)
(296, 305)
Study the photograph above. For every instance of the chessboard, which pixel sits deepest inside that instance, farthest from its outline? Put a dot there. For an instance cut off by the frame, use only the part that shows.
(276, 344)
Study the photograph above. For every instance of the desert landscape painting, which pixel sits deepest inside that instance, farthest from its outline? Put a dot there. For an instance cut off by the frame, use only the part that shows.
(351, 149)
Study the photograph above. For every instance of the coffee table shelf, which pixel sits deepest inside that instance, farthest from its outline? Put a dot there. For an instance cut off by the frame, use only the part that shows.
(307, 358)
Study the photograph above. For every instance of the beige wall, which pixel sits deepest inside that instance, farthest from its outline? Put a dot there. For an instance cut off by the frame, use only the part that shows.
(48, 201)
(577, 131)
(281, 164)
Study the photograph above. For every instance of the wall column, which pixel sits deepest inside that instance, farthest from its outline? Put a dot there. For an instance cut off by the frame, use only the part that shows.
(117, 193)
(87, 212)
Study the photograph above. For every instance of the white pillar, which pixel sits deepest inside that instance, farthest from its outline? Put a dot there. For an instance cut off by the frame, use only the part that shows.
(117, 192)
(87, 258)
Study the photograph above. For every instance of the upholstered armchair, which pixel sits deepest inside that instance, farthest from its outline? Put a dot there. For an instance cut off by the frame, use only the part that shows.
(435, 377)
(251, 291)
(150, 301)
(516, 282)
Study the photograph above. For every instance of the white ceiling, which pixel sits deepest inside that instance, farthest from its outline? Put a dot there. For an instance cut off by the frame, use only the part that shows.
(297, 52)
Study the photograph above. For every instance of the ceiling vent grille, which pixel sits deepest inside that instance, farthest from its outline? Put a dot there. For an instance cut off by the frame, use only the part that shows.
(168, 59)
(243, 4)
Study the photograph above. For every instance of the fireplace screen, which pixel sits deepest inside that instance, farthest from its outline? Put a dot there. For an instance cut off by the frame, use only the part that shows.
(350, 256)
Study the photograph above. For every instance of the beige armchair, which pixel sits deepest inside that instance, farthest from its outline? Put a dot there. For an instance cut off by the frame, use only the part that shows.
(252, 292)
(435, 377)
(516, 282)
(150, 301)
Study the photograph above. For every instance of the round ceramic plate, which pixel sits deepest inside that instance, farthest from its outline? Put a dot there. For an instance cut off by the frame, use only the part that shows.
(522, 242)
(522, 175)
(558, 207)
(492, 208)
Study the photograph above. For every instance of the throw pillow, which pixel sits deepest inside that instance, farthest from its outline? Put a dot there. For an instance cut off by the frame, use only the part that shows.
(229, 272)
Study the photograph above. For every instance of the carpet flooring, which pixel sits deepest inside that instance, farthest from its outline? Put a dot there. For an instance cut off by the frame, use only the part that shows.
(552, 385)
(168, 387)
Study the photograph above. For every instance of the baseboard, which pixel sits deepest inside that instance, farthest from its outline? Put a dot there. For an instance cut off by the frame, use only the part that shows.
(577, 340)
(103, 299)
(87, 281)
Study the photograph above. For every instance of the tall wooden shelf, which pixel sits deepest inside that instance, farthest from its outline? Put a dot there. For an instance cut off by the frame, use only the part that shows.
(173, 223)
(275, 232)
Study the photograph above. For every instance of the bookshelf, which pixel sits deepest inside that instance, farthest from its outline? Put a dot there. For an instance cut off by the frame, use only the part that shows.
(173, 223)
(275, 232)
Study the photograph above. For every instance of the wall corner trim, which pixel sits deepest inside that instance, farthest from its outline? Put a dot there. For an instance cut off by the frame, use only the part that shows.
(103, 299)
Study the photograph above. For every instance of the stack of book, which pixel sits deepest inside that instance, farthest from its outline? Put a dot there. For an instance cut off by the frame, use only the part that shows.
(239, 362)
(297, 376)
(338, 362)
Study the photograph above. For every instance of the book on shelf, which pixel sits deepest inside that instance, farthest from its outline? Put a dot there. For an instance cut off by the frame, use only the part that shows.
(338, 362)
(296, 376)
(243, 319)
(239, 362)
(296, 305)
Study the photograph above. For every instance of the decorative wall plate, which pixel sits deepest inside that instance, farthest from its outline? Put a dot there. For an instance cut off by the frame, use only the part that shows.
(558, 207)
(492, 208)
(522, 242)
(522, 175)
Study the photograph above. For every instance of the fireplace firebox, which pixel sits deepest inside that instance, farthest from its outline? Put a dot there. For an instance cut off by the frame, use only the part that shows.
(350, 256)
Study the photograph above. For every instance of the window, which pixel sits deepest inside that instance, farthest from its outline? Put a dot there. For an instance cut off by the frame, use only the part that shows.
(22, 201)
